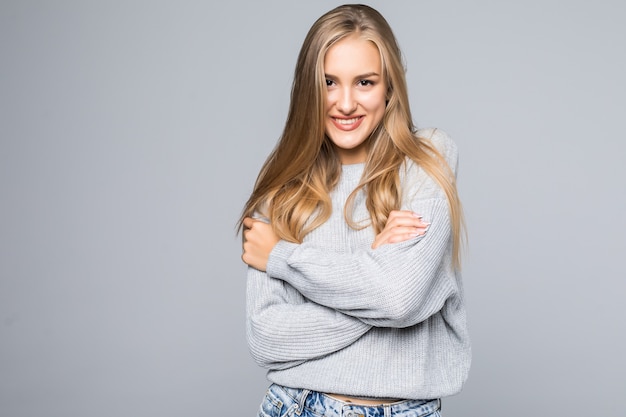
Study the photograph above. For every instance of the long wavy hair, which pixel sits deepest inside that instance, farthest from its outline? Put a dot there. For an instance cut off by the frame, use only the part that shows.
(293, 186)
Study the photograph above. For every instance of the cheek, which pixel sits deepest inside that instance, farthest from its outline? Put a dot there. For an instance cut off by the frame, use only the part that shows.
(328, 103)
(377, 107)
(376, 102)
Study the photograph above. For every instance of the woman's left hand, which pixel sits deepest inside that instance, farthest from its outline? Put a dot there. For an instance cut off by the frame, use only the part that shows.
(401, 225)
(258, 241)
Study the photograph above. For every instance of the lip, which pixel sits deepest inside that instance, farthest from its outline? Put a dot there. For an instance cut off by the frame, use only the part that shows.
(347, 127)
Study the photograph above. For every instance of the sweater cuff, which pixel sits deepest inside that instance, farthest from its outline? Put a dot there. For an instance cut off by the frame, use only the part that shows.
(277, 266)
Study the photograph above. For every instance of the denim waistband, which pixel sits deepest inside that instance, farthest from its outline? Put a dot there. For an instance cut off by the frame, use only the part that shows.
(324, 405)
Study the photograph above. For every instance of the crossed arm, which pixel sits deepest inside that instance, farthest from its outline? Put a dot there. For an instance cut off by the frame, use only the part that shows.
(283, 333)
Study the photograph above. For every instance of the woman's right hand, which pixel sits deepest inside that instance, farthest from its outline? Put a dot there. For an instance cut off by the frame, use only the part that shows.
(401, 225)
(258, 241)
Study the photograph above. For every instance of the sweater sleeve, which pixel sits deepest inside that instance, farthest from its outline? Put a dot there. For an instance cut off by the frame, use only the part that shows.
(395, 285)
(285, 329)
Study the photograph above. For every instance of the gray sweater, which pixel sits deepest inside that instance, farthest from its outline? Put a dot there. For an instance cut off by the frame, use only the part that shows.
(333, 315)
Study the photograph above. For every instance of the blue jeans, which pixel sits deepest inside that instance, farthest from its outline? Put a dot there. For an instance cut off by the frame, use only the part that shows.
(282, 401)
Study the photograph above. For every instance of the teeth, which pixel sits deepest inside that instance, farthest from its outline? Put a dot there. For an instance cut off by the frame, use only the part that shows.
(347, 121)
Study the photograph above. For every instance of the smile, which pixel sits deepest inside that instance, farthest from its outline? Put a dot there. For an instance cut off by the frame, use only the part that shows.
(347, 124)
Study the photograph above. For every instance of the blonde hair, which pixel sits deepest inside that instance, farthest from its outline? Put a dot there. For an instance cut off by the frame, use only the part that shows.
(292, 189)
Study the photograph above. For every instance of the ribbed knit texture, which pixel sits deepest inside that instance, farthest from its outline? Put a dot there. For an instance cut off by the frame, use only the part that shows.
(333, 315)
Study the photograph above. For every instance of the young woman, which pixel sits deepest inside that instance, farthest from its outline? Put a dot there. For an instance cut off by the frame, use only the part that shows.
(352, 236)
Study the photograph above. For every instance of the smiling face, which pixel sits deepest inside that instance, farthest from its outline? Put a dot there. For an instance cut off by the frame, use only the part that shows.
(356, 96)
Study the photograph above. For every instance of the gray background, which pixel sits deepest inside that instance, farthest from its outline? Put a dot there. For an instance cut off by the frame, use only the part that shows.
(131, 134)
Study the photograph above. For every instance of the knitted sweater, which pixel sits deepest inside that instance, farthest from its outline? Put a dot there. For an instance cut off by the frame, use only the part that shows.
(334, 315)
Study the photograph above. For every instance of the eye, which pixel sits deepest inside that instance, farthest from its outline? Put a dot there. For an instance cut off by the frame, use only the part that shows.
(365, 83)
(329, 82)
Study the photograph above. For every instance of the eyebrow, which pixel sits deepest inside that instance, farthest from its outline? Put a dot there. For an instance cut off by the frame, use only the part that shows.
(358, 77)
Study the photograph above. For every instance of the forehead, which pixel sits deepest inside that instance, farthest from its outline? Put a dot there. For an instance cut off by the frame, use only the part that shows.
(353, 53)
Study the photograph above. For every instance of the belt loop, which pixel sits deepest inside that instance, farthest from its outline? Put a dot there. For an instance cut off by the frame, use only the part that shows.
(387, 410)
(301, 400)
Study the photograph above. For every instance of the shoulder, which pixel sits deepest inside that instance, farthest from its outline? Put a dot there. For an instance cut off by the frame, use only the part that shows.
(416, 183)
(443, 143)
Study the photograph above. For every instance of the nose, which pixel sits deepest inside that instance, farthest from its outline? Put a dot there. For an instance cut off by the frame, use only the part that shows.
(347, 103)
